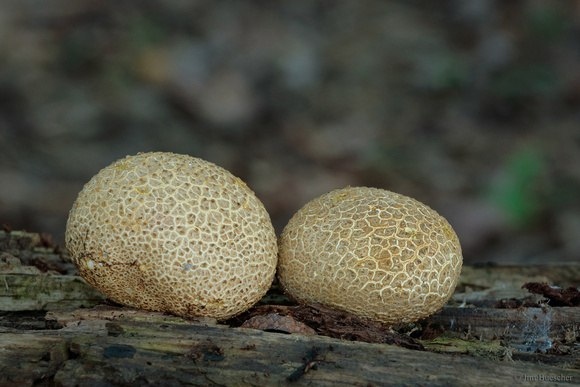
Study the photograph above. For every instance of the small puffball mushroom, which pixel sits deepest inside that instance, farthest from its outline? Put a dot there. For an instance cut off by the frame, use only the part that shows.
(371, 252)
(173, 233)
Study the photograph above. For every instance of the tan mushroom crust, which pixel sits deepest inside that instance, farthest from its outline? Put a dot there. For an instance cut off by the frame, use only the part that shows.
(371, 252)
(169, 232)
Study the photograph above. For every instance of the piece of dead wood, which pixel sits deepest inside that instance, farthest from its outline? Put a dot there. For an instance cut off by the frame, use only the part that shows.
(94, 320)
(36, 250)
(333, 323)
(556, 296)
(173, 352)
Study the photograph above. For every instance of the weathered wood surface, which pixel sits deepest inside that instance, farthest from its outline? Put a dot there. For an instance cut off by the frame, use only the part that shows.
(161, 350)
(32, 276)
(51, 333)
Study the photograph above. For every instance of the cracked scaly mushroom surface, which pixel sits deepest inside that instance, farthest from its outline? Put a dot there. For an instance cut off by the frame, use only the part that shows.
(174, 233)
(377, 254)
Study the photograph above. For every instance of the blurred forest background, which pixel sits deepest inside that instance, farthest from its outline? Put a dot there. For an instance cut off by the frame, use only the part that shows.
(472, 107)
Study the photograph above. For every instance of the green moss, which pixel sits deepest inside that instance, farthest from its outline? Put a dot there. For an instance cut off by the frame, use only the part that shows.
(449, 344)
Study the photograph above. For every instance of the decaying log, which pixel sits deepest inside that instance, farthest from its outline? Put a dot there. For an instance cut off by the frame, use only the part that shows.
(56, 330)
(120, 347)
(35, 276)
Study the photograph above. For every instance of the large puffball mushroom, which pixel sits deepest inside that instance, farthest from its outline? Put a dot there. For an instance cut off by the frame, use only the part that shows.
(173, 233)
(371, 252)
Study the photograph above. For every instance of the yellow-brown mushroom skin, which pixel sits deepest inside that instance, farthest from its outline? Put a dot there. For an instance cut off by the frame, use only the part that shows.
(371, 252)
(173, 233)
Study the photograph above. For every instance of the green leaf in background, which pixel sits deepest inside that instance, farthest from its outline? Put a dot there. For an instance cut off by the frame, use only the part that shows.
(519, 189)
